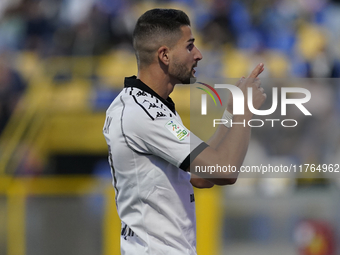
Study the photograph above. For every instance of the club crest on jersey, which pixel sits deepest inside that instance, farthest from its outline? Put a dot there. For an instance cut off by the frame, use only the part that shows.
(177, 129)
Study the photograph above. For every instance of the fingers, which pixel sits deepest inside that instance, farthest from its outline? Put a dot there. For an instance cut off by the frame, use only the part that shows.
(259, 95)
(257, 70)
(250, 82)
(257, 82)
(238, 83)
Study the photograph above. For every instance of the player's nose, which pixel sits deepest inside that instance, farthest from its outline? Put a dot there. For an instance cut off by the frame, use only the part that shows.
(198, 55)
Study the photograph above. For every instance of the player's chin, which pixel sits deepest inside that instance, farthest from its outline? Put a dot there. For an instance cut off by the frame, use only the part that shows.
(193, 78)
(189, 80)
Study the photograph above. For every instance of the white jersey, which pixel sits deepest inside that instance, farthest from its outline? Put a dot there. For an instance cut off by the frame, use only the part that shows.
(149, 153)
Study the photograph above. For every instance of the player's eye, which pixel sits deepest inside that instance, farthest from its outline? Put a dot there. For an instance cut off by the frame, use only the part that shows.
(190, 46)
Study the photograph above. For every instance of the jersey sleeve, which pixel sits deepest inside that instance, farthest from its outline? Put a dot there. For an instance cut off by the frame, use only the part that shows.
(161, 133)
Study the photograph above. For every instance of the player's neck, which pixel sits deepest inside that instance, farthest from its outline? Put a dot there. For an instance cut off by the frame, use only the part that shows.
(158, 81)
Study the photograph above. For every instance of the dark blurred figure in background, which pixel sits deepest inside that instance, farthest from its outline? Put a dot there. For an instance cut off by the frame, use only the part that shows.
(11, 88)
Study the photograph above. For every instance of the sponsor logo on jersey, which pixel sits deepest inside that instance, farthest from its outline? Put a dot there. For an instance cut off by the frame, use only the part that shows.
(160, 114)
(141, 93)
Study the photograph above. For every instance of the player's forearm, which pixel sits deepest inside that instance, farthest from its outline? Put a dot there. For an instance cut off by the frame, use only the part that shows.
(228, 154)
(218, 136)
(228, 147)
(232, 150)
(200, 183)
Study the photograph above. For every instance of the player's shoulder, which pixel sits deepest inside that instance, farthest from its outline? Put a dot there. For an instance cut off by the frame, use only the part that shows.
(143, 105)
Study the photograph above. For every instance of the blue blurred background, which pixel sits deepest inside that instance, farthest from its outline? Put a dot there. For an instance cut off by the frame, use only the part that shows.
(62, 62)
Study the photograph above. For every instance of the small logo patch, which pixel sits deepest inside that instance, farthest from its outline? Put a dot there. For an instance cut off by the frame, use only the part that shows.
(177, 129)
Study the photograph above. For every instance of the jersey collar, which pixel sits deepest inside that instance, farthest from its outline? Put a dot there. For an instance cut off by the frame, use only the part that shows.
(137, 83)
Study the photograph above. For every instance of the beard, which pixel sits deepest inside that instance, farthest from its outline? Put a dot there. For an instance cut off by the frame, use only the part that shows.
(181, 73)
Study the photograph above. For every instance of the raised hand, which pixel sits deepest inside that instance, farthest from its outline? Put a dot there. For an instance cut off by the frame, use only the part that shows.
(251, 82)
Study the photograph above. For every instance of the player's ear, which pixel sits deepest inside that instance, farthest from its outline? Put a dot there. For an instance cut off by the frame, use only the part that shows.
(163, 55)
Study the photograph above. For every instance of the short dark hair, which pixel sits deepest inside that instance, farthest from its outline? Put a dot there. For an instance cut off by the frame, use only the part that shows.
(155, 28)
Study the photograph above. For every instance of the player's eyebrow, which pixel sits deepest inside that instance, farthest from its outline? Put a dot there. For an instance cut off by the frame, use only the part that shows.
(191, 40)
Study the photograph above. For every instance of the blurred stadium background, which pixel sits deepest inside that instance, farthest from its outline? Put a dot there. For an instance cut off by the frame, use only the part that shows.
(63, 61)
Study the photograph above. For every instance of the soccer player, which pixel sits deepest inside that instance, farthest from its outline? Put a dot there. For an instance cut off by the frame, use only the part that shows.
(150, 161)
